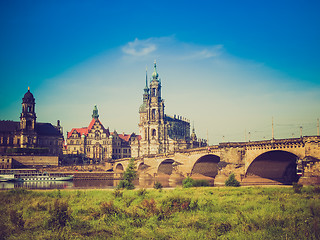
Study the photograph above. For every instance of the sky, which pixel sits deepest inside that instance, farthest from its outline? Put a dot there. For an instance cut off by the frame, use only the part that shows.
(228, 66)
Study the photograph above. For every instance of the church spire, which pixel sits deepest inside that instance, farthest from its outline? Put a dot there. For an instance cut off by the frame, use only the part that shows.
(95, 114)
(193, 134)
(146, 89)
(155, 74)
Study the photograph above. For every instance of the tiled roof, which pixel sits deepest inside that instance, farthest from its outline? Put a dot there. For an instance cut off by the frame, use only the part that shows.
(9, 126)
(81, 131)
(124, 137)
(85, 130)
(47, 129)
(43, 129)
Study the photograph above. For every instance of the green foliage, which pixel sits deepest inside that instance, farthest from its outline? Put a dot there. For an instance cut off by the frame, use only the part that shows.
(201, 183)
(190, 182)
(181, 213)
(117, 193)
(232, 181)
(128, 176)
(297, 187)
(157, 185)
(60, 214)
(16, 218)
(178, 203)
(109, 208)
(142, 192)
(125, 184)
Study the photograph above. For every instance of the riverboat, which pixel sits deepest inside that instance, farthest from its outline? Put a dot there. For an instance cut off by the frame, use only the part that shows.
(32, 175)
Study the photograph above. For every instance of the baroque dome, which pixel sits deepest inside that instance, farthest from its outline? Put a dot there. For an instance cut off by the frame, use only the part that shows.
(28, 97)
(143, 108)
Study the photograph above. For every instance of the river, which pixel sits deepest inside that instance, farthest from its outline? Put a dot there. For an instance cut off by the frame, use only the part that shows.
(85, 184)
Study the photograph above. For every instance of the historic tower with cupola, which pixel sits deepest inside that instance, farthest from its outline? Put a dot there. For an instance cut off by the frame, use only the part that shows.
(160, 133)
(28, 120)
(152, 118)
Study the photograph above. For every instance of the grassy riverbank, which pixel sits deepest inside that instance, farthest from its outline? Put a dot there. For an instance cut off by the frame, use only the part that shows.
(196, 213)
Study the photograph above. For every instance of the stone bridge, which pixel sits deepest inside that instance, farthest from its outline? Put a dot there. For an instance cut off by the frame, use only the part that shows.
(282, 160)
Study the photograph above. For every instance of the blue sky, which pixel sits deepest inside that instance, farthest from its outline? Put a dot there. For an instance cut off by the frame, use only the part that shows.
(229, 66)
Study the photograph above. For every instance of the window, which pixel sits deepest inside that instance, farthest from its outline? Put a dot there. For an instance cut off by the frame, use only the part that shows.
(97, 135)
(154, 132)
(153, 114)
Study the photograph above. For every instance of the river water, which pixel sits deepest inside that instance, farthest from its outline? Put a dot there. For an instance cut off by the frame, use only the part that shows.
(86, 184)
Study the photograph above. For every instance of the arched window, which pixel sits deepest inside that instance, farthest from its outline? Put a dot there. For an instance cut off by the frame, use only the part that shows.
(153, 132)
(153, 114)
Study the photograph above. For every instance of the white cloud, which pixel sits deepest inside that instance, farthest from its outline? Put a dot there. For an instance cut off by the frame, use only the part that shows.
(192, 52)
(139, 47)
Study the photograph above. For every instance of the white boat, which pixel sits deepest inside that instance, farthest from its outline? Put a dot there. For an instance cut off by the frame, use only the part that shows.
(38, 176)
(6, 177)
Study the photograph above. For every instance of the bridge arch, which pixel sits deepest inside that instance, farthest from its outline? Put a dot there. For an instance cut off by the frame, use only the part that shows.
(166, 167)
(119, 168)
(206, 165)
(141, 166)
(276, 165)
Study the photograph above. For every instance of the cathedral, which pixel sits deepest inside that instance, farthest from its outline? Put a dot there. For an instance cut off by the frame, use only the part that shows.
(160, 133)
(97, 143)
(29, 137)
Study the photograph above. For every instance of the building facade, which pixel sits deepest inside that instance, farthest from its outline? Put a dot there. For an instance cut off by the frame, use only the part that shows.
(97, 143)
(160, 133)
(28, 137)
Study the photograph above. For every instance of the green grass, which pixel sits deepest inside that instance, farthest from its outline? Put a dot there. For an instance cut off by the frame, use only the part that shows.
(192, 213)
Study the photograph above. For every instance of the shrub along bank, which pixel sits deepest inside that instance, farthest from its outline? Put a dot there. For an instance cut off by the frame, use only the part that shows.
(181, 213)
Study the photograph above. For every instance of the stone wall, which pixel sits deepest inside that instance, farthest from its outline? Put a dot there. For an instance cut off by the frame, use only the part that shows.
(34, 161)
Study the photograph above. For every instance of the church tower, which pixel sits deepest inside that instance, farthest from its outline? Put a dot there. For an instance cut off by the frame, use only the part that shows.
(28, 120)
(152, 119)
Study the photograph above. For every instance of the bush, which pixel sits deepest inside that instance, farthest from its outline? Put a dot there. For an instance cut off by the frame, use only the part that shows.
(177, 204)
(108, 208)
(232, 181)
(125, 184)
(201, 183)
(189, 182)
(157, 185)
(117, 193)
(60, 214)
(16, 218)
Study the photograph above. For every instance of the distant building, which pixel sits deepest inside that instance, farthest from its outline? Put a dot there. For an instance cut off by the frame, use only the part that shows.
(28, 137)
(160, 133)
(98, 143)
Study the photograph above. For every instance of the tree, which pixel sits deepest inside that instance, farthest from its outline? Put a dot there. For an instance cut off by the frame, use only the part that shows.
(128, 176)
(232, 181)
